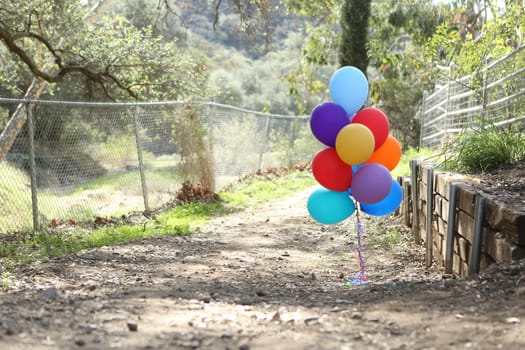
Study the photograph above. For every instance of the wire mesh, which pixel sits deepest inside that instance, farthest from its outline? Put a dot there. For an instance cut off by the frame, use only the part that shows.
(494, 95)
(106, 160)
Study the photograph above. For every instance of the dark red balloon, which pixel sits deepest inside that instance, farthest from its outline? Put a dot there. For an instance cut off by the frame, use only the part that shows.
(330, 171)
(376, 121)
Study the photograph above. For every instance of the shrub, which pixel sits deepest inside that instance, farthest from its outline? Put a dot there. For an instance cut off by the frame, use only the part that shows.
(486, 149)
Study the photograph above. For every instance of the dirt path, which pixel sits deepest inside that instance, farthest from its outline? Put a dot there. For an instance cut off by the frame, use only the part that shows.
(268, 278)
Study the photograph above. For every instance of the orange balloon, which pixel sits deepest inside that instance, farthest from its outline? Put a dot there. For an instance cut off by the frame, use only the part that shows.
(354, 144)
(388, 154)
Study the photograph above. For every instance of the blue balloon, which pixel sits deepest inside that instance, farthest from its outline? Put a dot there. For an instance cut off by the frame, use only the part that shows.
(388, 205)
(330, 207)
(355, 168)
(349, 88)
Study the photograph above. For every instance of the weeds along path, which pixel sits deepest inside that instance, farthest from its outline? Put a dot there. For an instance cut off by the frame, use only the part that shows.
(266, 278)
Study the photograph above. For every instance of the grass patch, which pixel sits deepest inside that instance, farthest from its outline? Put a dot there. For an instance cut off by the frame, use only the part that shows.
(262, 188)
(403, 168)
(485, 149)
(383, 234)
(15, 199)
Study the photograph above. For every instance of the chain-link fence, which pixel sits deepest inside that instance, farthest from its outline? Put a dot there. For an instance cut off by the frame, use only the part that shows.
(77, 161)
(494, 94)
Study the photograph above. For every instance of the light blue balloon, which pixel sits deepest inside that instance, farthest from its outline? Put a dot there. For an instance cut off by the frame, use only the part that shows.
(349, 88)
(388, 205)
(330, 207)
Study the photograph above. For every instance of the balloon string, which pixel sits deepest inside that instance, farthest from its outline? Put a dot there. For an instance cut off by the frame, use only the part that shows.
(360, 278)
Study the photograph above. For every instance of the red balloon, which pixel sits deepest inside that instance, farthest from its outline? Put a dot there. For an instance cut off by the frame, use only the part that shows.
(330, 171)
(376, 121)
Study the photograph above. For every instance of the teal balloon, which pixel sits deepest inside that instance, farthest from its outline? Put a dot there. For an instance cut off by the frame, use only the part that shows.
(349, 88)
(330, 207)
(388, 205)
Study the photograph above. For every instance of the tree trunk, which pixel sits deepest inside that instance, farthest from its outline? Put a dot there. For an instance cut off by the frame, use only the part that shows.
(19, 117)
(354, 36)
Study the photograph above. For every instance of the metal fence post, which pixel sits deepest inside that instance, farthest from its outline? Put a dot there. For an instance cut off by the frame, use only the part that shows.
(263, 147)
(479, 217)
(141, 161)
(451, 229)
(484, 91)
(415, 200)
(422, 125)
(429, 215)
(446, 121)
(32, 166)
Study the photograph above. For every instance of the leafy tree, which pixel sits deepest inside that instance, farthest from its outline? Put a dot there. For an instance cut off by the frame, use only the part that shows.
(57, 42)
(476, 33)
(399, 73)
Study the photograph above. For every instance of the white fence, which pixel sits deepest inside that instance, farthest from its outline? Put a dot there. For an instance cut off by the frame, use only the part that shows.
(495, 94)
(85, 160)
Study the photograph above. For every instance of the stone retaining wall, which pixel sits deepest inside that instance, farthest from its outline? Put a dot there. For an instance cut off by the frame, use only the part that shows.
(499, 236)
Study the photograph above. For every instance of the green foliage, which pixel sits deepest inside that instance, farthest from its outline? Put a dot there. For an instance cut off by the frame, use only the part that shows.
(226, 88)
(486, 149)
(116, 57)
(5, 280)
(403, 168)
(294, 148)
(469, 44)
(116, 152)
(264, 84)
(13, 182)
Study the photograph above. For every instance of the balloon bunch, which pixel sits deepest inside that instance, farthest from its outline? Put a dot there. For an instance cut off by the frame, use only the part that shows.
(354, 168)
(359, 156)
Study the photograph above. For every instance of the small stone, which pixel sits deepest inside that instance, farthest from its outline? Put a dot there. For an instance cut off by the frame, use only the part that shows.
(359, 336)
(50, 294)
(44, 322)
(244, 346)
(9, 331)
(512, 320)
(311, 321)
(80, 342)
(395, 330)
(261, 293)
(357, 316)
(133, 326)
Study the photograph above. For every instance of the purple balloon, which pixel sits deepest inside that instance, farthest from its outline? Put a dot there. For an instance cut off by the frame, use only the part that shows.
(388, 205)
(371, 183)
(326, 121)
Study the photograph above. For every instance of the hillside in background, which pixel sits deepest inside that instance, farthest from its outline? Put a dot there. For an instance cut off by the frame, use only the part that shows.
(199, 17)
(241, 72)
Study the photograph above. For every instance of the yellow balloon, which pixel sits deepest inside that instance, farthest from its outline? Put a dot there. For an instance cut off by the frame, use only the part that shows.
(354, 144)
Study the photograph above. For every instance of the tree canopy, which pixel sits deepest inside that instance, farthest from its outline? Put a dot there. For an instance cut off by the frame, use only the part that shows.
(53, 40)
